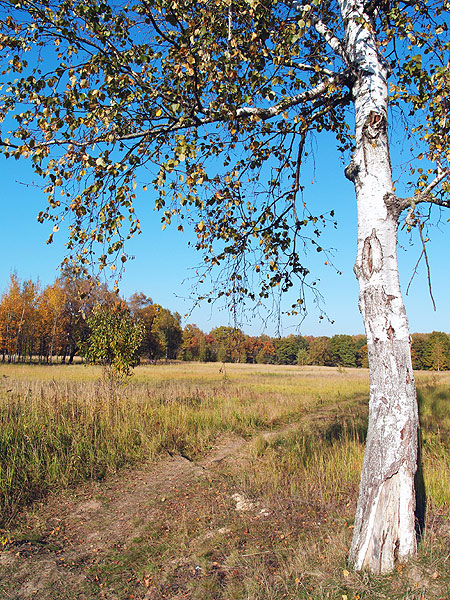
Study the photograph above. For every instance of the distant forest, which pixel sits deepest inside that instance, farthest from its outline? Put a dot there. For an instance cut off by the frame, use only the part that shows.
(49, 324)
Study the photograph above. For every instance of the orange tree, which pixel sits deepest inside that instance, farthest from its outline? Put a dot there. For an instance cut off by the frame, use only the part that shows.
(218, 98)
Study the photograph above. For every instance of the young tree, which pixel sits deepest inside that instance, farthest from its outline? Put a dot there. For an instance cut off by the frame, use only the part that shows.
(81, 295)
(114, 340)
(180, 84)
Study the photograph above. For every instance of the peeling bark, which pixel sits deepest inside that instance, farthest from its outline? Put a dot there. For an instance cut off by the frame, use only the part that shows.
(384, 530)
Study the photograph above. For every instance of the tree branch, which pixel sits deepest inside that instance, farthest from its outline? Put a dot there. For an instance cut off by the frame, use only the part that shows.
(241, 113)
(296, 186)
(424, 250)
(397, 205)
(333, 41)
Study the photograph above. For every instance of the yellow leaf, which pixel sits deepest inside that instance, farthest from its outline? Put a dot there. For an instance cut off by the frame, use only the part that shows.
(158, 113)
(345, 573)
(201, 226)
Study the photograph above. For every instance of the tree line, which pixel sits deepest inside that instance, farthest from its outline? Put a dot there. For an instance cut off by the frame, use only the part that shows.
(49, 324)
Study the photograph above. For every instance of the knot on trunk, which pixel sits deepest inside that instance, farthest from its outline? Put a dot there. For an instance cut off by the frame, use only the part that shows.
(372, 256)
(351, 171)
(374, 126)
(393, 204)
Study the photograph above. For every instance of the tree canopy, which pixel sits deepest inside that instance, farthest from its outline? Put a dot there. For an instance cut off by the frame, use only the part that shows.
(208, 107)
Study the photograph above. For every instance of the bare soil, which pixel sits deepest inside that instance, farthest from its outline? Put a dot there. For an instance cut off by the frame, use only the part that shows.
(70, 534)
(182, 529)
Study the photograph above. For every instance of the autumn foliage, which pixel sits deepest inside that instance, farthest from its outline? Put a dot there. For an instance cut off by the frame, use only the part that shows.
(53, 323)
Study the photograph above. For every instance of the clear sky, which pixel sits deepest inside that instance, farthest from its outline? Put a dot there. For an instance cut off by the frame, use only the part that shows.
(164, 264)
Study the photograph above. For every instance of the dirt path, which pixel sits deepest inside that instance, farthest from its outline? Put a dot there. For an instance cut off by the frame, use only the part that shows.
(74, 532)
(54, 555)
(59, 551)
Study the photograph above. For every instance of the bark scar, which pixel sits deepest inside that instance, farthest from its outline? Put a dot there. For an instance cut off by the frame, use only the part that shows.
(374, 126)
(405, 433)
(372, 256)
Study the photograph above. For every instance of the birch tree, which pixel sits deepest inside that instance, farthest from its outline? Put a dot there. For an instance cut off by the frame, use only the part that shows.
(210, 106)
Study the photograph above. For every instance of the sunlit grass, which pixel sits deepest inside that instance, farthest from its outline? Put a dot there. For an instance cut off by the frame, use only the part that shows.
(59, 424)
(306, 426)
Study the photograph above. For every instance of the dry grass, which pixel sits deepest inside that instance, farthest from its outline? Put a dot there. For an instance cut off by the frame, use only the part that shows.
(60, 426)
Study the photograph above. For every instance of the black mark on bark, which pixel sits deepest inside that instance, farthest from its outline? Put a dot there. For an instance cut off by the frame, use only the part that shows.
(374, 129)
(396, 548)
(351, 171)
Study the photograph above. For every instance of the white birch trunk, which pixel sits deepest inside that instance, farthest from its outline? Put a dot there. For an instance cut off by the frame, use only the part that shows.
(384, 530)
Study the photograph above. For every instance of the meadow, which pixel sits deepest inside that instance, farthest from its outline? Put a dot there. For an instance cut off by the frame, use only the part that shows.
(304, 430)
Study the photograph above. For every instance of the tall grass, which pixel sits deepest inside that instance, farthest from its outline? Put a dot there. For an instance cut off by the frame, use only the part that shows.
(434, 406)
(322, 458)
(320, 461)
(60, 425)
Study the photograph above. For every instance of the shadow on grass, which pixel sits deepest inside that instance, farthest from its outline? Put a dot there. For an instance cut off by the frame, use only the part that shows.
(434, 407)
(355, 428)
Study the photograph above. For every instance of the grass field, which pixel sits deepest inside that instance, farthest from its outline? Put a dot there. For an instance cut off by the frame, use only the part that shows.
(61, 426)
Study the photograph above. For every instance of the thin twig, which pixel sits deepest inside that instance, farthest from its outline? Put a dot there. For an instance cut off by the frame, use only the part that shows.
(297, 174)
(414, 272)
(428, 266)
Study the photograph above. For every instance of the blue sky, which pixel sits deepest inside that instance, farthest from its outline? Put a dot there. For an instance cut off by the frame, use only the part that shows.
(164, 265)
